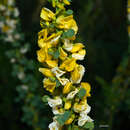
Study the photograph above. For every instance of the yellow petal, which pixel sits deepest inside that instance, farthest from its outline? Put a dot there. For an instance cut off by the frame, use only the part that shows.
(52, 63)
(47, 14)
(68, 64)
(41, 55)
(75, 75)
(46, 72)
(42, 36)
(66, 2)
(66, 23)
(63, 54)
(49, 85)
(77, 47)
(67, 88)
(70, 120)
(87, 87)
(67, 105)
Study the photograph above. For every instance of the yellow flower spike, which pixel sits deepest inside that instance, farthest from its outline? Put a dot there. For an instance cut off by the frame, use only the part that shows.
(46, 72)
(47, 14)
(67, 105)
(49, 85)
(77, 47)
(41, 55)
(68, 64)
(87, 87)
(66, 2)
(70, 120)
(66, 23)
(67, 88)
(63, 54)
(52, 63)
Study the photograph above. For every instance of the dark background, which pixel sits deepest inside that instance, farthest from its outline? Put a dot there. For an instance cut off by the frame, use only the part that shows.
(103, 30)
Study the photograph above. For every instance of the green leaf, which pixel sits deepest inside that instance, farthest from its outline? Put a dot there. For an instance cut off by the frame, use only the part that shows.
(44, 98)
(56, 54)
(63, 118)
(81, 93)
(69, 12)
(68, 34)
(89, 125)
(57, 83)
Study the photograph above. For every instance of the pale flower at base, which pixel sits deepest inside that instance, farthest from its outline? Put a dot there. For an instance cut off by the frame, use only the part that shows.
(79, 55)
(83, 119)
(57, 101)
(67, 45)
(54, 126)
(58, 73)
(63, 81)
(72, 94)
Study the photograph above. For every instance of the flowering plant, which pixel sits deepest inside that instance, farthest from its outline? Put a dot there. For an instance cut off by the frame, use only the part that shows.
(59, 55)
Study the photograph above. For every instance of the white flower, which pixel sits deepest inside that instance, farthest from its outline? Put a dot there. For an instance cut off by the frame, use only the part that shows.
(21, 75)
(24, 87)
(58, 72)
(72, 94)
(17, 36)
(23, 50)
(67, 45)
(54, 126)
(81, 71)
(16, 12)
(63, 81)
(8, 12)
(86, 111)
(10, 2)
(1, 24)
(80, 55)
(83, 119)
(54, 102)
(2, 7)
(9, 38)
(12, 60)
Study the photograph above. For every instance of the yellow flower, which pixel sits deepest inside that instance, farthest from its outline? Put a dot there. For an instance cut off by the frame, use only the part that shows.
(69, 64)
(67, 105)
(87, 87)
(54, 38)
(47, 14)
(77, 74)
(42, 36)
(79, 107)
(41, 55)
(63, 54)
(49, 85)
(56, 110)
(52, 63)
(66, 23)
(67, 88)
(66, 2)
(46, 72)
(77, 47)
(80, 55)
(5, 28)
(70, 120)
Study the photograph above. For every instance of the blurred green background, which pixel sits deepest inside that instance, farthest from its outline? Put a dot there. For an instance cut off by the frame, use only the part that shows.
(103, 29)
